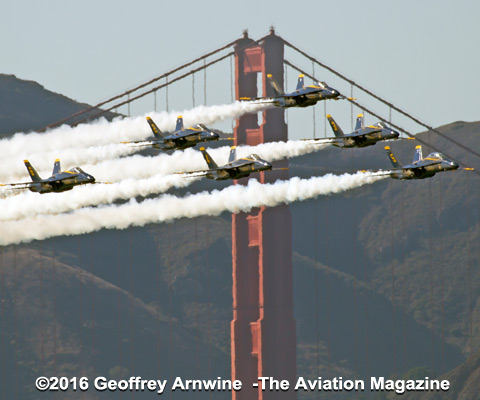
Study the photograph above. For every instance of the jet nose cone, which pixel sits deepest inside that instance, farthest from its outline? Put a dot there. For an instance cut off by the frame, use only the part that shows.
(454, 165)
(395, 134)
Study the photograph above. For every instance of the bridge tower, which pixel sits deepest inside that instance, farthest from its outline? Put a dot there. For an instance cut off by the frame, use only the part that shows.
(263, 335)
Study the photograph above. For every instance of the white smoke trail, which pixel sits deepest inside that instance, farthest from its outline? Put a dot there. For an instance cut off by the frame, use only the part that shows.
(12, 168)
(102, 132)
(233, 199)
(100, 140)
(139, 167)
(190, 160)
(156, 180)
(29, 204)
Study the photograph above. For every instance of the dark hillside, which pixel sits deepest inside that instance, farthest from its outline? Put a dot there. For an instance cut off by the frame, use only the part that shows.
(60, 320)
(27, 106)
(386, 280)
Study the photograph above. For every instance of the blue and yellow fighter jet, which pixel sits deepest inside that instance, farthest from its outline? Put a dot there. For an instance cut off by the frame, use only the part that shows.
(303, 96)
(362, 136)
(181, 138)
(60, 181)
(420, 167)
(233, 169)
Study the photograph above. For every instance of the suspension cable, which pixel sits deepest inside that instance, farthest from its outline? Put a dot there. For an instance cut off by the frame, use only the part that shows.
(166, 74)
(430, 128)
(101, 112)
(392, 124)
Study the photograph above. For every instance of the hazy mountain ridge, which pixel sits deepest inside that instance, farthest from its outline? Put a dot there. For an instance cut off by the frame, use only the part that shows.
(27, 106)
(388, 272)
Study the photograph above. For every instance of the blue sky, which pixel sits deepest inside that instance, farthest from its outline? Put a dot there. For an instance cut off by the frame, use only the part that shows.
(422, 56)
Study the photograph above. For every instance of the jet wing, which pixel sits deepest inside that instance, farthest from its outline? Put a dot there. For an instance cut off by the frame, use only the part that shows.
(144, 142)
(325, 140)
(18, 185)
(265, 100)
(383, 172)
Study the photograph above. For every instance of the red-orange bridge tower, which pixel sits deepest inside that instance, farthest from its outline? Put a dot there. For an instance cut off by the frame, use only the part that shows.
(263, 339)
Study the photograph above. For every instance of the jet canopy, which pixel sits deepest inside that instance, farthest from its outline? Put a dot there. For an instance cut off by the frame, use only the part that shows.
(437, 155)
(255, 157)
(381, 125)
(77, 170)
(323, 85)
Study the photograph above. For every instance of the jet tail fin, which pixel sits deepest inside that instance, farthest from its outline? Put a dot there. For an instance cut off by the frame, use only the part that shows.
(153, 126)
(209, 160)
(393, 159)
(301, 82)
(359, 123)
(418, 153)
(56, 167)
(233, 154)
(337, 131)
(276, 88)
(179, 126)
(31, 171)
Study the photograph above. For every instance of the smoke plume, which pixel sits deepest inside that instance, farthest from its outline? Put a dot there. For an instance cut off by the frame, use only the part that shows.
(235, 198)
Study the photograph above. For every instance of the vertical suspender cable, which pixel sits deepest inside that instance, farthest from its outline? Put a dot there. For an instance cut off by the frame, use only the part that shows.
(231, 80)
(286, 86)
(325, 119)
(204, 83)
(351, 106)
(232, 95)
(193, 90)
(166, 93)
